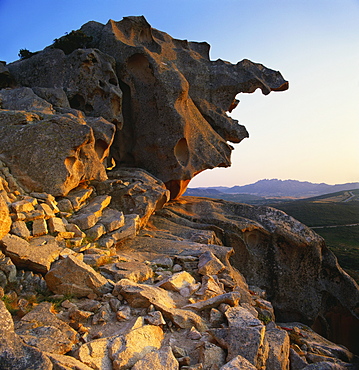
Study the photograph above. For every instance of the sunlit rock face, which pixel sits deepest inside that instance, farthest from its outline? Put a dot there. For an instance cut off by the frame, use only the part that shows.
(175, 100)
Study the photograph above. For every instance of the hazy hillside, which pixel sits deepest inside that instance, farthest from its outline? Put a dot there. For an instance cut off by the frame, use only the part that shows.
(278, 188)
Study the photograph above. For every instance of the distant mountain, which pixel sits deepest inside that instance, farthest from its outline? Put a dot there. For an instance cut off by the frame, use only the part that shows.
(278, 188)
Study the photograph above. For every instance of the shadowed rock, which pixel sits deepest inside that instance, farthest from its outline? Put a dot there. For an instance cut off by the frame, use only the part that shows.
(175, 100)
(86, 75)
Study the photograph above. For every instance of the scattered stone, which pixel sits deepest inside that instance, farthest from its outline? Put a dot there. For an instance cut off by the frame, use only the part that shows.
(209, 264)
(161, 359)
(238, 363)
(126, 350)
(211, 356)
(231, 298)
(279, 345)
(20, 229)
(135, 271)
(39, 227)
(71, 276)
(40, 328)
(95, 232)
(177, 281)
(14, 353)
(62, 362)
(155, 318)
(112, 219)
(35, 255)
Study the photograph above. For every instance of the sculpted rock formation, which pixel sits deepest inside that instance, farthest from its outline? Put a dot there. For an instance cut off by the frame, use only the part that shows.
(134, 282)
(175, 100)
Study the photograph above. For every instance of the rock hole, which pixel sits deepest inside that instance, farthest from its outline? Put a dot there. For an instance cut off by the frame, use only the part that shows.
(181, 152)
(113, 81)
(101, 83)
(77, 102)
(100, 148)
(139, 66)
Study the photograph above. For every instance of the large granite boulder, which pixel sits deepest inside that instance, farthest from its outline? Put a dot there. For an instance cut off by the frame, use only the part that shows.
(86, 76)
(175, 100)
(53, 154)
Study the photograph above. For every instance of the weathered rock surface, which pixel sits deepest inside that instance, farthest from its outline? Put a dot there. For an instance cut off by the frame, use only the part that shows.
(287, 259)
(36, 255)
(5, 220)
(53, 154)
(71, 276)
(14, 353)
(86, 76)
(170, 297)
(41, 329)
(161, 359)
(175, 100)
(134, 191)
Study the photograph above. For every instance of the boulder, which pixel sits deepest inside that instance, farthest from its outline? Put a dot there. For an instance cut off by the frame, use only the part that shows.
(14, 353)
(6, 80)
(137, 272)
(71, 276)
(162, 359)
(126, 350)
(175, 100)
(41, 328)
(62, 362)
(5, 220)
(53, 154)
(238, 363)
(134, 191)
(95, 354)
(36, 255)
(24, 99)
(279, 345)
(211, 356)
(86, 75)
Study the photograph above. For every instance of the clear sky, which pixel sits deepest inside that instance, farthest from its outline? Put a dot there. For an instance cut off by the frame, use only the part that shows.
(308, 133)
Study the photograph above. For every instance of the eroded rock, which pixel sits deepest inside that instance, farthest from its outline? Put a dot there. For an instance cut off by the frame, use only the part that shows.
(71, 276)
(177, 99)
(50, 155)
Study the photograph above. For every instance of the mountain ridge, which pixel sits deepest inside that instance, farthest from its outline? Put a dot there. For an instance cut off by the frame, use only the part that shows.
(278, 188)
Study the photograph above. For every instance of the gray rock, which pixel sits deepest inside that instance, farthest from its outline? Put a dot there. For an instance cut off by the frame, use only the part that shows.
(86, 75)
(238, 363)
(134, 191)
(161, 359)
(71, 276)
(23, 98)
(41, 328)
(36, 255)
(14, 353)
(209, 264)
(211, 356)
(71, 160)
(279, 345)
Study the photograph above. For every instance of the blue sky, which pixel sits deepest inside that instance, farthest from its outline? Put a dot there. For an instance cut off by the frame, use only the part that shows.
(308, 133)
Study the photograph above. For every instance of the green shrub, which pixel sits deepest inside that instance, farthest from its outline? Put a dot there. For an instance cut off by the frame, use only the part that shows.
(25, 54)
(72, 41)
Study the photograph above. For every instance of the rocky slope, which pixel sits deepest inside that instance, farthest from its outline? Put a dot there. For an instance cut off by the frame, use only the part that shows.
(100, 269)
